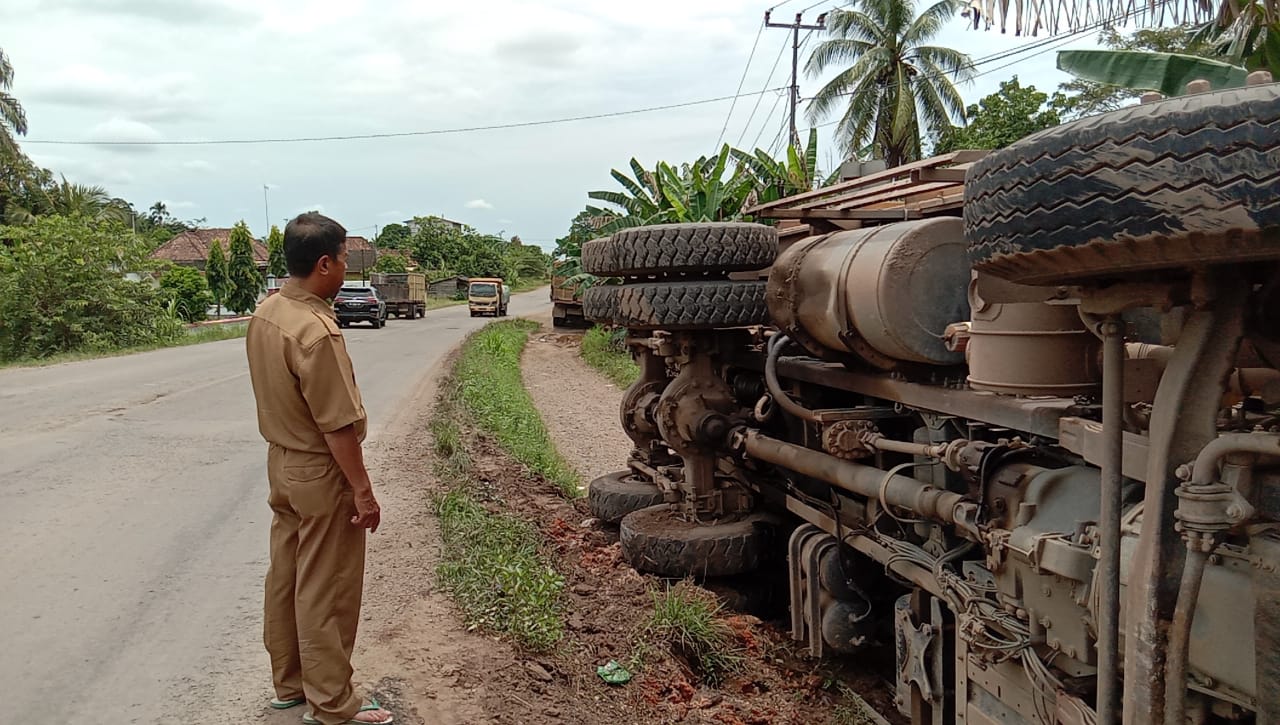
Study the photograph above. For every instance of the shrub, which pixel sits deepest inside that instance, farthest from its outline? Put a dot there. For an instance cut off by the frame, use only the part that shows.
(64, 288)
(188, 291)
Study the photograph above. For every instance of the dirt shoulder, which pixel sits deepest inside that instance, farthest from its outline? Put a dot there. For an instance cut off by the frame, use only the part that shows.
(578, 406)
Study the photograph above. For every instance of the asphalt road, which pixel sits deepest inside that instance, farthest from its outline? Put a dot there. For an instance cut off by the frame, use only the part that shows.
(134, 518)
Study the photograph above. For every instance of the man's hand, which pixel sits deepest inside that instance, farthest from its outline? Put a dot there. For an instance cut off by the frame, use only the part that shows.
(368, 513)
(345, 447)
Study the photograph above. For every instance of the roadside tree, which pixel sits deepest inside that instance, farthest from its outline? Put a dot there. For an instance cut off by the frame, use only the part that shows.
(245, 281)
(216, 275)
(187, 290)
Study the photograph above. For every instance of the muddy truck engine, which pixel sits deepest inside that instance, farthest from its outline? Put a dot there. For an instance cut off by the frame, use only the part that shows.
(1026, 441)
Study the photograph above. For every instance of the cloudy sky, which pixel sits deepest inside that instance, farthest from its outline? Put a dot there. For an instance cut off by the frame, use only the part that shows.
(175, 70)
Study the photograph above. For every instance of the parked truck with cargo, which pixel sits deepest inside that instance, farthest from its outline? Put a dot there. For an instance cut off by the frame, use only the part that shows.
(566, 297)
(1013, 417)
(405, 293)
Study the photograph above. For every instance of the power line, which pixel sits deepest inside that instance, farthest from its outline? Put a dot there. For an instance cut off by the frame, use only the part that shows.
(795, 27)
(769, 80)
(741, 80)
(401, 134)
(776, 103)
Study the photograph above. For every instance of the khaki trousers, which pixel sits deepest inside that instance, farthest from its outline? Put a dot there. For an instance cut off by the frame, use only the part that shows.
(314, 583)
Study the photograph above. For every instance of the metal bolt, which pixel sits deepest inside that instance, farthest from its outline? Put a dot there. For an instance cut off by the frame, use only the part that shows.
(1183, 472)
(1258, 78)
(1199, 85)
(1235, 512)
(1151, 97)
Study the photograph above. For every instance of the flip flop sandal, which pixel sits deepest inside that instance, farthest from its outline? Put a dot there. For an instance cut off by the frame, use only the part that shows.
(278, 704)
(310, 718)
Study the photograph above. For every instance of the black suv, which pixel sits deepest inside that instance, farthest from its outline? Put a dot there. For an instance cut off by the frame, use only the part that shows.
(360, 304)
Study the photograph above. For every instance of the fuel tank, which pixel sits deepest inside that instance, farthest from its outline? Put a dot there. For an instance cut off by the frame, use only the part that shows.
(880, 296)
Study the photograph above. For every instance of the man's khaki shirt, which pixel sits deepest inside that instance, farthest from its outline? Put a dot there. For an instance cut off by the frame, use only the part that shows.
(301, 373)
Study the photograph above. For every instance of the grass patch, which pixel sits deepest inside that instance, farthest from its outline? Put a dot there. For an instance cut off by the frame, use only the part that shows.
(687, 619)
(528, 285)
(494, 568)
(435, 303)
(605, 351)
(194, 336)
(492, 564)
(492, 392)
(854, 710)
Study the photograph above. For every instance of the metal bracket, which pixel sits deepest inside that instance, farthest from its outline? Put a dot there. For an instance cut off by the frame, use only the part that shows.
(805, 550)
(915, 667)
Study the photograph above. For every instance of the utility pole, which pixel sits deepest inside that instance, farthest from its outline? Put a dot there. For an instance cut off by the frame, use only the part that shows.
(795, 28)
(266, 212)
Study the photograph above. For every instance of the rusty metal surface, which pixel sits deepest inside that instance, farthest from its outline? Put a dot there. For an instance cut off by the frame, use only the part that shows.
(1183, 420)
(883, 294)
(1033, 415)
(930, 187)
(1031, 348)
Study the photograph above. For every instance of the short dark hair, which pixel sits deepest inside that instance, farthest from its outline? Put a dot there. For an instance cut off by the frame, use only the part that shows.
(309, 237)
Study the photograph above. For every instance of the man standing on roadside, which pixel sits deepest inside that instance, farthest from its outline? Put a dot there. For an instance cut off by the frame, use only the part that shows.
(311, 414)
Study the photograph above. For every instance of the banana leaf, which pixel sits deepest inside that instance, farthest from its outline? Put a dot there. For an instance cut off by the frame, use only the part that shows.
(1168, 73)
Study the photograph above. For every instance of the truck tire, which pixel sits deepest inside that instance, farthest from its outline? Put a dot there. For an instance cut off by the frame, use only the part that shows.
(657, 541)
(701, 305)
(1188, 181)
(715, 247)
(614, 495)
(595, 255)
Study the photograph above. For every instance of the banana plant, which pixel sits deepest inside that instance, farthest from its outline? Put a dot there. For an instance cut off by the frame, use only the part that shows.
(777, 179)
(1167, 73)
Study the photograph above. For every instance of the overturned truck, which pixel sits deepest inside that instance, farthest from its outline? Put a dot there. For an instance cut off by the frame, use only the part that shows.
(1014, 413)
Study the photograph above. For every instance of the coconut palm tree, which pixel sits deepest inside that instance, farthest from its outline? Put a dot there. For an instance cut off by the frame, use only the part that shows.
(13, 120)
(895, 88)
(92, 202)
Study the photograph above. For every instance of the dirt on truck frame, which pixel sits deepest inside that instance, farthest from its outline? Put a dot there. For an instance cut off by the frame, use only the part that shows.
(1013, 415)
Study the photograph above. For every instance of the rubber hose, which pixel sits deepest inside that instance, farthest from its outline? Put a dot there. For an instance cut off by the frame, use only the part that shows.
(776, 343)
(1184, 612)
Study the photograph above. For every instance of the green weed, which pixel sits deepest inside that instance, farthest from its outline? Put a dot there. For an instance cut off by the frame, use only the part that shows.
(687, 619)
(493, 567)
(194, 336)
(604, 350)
(493, 394)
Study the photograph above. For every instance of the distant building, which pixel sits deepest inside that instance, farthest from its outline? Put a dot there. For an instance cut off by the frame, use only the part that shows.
(414, 226)
(191, 248)
(361, 256)
(447, 287)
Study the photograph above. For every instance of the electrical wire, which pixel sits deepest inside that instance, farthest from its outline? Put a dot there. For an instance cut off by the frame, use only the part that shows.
(742, 80)
(773, 71)
(397, 134)
(777, 103)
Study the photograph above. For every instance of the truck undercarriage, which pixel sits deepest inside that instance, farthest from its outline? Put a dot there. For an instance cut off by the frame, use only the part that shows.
(1032, 439)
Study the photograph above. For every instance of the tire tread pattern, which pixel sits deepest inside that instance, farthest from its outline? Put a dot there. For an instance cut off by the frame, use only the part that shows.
(703, 305)
(682, 248)
(651, 543)
(1189, 180)
(614, 495)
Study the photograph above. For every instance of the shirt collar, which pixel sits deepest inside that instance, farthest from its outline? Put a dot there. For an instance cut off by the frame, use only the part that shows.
(294, 291)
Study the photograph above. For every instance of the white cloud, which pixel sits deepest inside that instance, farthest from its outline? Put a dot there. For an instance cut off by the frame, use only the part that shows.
(187, 12)
(479, 204)
(172, 205)
(393, 214)
(129, 137)
(150, 97)
(198, 165)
